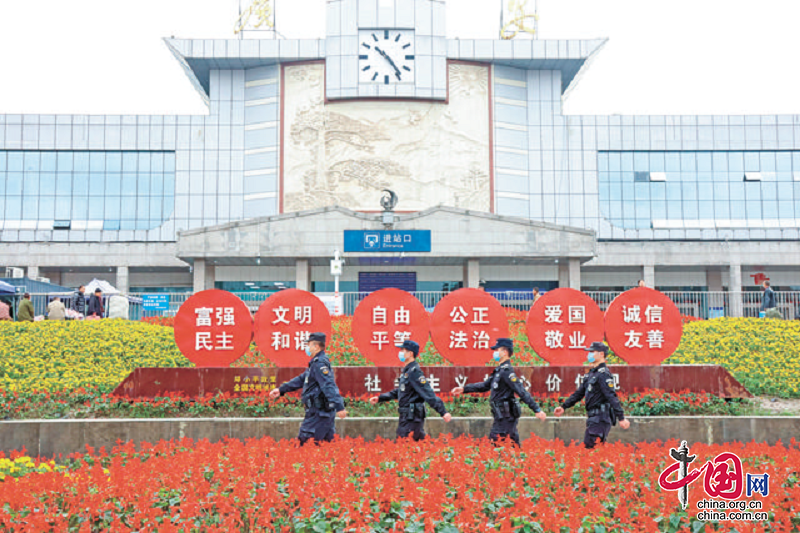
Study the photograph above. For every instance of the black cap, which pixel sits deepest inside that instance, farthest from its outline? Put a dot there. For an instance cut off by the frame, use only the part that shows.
(319, 337)
(597, 347)
(411, 346)
(504, 343)
(482, 283)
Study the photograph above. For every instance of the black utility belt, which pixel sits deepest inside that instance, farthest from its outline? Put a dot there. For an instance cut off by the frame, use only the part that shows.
(414, 411)
(506, 409)
(599, 410)
(317, 402)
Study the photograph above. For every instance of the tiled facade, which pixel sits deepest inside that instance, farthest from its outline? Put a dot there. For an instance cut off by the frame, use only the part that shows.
(638, 179)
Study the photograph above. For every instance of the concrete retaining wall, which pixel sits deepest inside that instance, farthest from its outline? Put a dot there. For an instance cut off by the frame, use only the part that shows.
(48, 438)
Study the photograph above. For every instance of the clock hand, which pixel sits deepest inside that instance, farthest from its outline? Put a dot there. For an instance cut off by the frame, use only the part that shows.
(389, 59)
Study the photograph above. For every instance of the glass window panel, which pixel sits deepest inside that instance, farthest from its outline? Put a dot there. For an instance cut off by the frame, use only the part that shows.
(80, 183)
(13, 207)
(128, 209)
(111, 225)
(674, 192)
(616, 208)
(720, 162)
(14, 182)
(705, 209)
(752, 191)
(736, 162)
(113, 207)
(705, 176)
(142, 224)
(753, 208)
(47, 183)
(786, 209)
(155, 208)
(767, 161)
(63, 184)
(114, 162)
(2, 207)
(129, 161)
(615, 177)
(143, 208)
(97, 184)
(156, 184)
(97, 162)
(705, 191)
(602, 161)
(627, 191)
(721, 190)
(16, 161)
(129, 185)
(769, 190)
(168, 205)
(80, 208)
(628, 177)
(628, 210)
(658, 191)
(3, 159)
(144, 162)
(47, 207)
(752, 162)
(157, 162)
(143, 184)
(690, 210)
(30, 208)
(65, 161)
(169, 162)
(737, 209)
(626, 162)
(127, 225)
(31, 185)
(783, 162)
(641, 191)
(688, 162)
(785, 191)
(657, 162)
(704, 162)
(2, 183)
(673, 162)
(643, 210)
(722, 210)
(614, 164)
(32, 161)
(737, 190)
(689, 190)
(641, 162)
(63, 208)
(169, 184)
(49, 161)
(659, 210)
(80, 162)
(770, 208)
(674, 210)
(113, 184)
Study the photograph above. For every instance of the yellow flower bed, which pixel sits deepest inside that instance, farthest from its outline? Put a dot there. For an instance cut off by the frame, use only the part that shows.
(22, 466)
(761, 353)
(54, 356)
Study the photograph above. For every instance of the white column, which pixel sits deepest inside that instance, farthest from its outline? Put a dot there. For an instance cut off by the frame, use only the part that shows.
(33, 272)
(575, 274)
(735, 291)
(472, 273)
(563, 272)
(123, 280)
(649, 276)
(303, 274)
(204, 275)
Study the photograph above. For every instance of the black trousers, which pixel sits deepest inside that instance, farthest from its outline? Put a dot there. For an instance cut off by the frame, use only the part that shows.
(411, 427)
(317, 425)
(597, 429)
(504, 427)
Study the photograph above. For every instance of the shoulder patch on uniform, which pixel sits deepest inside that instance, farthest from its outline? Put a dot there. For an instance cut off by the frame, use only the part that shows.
(610, 383)
(512, 377)
(325, 370)
(422, 380)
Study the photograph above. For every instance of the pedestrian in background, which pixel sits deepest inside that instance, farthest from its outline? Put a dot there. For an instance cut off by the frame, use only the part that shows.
(25, 313)
(56, 310)
(536, 294)
(768, 302)
(96, 308)
(79, 301)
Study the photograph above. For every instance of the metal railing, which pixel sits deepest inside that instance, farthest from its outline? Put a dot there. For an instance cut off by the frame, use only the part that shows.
(697, 304)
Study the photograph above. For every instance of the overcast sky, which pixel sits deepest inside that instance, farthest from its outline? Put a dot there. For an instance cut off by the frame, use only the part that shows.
(663, 57)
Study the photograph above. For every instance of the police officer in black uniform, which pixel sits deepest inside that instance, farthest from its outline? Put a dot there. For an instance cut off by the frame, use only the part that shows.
(602, 405)
(412, 394)
(505, 386)
(321, 396)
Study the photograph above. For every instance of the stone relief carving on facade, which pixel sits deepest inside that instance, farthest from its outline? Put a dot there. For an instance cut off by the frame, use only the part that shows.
(347, 153)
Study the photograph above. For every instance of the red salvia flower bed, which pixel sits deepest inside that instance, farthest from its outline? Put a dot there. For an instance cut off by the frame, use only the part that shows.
(441, 485)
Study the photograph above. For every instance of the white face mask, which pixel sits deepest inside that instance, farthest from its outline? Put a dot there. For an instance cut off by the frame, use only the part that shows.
(308, 352)
(496, 356)
(402, 356)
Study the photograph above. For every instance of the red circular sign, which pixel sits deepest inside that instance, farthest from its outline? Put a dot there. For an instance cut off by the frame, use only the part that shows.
(213, 328)
(561, 324)
(465, 325)
(643, 326)
(385, 319)
(283, 323)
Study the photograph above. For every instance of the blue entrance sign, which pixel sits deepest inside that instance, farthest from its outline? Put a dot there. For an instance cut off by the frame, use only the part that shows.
(387, 241)
(155, 302)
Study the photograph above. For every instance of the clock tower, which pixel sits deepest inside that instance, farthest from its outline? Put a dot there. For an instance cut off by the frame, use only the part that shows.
(386, 49)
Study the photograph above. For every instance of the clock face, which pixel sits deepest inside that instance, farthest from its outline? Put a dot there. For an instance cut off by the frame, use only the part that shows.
(386, 56)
